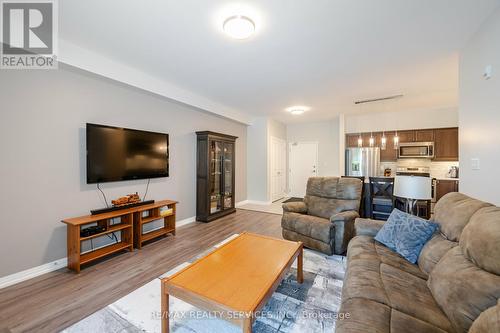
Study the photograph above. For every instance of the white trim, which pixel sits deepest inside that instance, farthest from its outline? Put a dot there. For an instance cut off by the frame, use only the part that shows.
(30, 273)
(257, 202)
(94, 62)
(270, 177)
(185, 221)
(241, 203)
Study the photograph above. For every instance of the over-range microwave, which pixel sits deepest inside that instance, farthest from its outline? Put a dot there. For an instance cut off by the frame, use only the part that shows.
(416, 150)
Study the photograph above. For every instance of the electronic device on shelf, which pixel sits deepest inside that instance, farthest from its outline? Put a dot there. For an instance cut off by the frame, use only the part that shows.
(115, 208)
(89, 231)
(117, 154)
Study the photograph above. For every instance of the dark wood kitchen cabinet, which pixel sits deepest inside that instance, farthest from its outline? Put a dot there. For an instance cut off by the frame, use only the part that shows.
(215, 175)
(352, 140)
(389, 154)
(444, 186)
(424, 135)
(446, 144)
(406, 136)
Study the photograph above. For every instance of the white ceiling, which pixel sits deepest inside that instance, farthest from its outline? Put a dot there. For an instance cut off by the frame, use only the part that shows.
(321, 53)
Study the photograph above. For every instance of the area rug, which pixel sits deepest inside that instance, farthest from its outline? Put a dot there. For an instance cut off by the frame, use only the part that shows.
(293, 308)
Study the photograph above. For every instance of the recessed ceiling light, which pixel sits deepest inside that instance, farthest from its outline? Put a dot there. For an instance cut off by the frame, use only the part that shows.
(239, 26)
(297, 110)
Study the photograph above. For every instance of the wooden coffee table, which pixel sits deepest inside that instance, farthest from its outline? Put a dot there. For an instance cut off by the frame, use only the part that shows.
(234, 281)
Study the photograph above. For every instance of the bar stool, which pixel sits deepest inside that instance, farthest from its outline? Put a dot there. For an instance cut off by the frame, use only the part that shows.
(381, 197)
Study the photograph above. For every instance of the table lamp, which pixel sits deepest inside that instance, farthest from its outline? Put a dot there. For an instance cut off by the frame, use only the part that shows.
(412, 188)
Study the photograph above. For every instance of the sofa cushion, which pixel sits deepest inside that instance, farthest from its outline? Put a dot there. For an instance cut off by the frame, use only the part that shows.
(310, 226)
(334, 187)
(480, 240)
(389, 257)
(433, 251)
(409, 294)
(365, 247)
(462, 289)
(453, 211)
(364, 316)
(401, 322)
(327, 196)
(488, 321)
(375, 274)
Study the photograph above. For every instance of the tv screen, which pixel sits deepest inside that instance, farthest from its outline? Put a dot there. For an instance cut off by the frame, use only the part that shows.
(115, 154)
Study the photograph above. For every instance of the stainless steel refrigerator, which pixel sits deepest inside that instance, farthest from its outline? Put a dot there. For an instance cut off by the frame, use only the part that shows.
(362, 162)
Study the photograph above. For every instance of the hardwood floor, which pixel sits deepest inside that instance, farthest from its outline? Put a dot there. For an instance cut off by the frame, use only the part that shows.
(54, 301)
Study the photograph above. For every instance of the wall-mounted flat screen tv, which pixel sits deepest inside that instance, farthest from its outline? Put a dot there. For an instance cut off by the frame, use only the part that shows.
(115, 154)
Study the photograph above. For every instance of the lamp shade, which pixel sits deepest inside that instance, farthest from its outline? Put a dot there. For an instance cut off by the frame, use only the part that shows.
(413, 187)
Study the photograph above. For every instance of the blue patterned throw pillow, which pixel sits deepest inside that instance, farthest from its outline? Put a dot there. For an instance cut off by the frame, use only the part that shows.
(412, 236)
(387, 234)
(406, 234)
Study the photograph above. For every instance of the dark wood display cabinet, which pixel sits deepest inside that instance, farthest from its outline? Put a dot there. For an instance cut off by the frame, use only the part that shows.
(215, 176)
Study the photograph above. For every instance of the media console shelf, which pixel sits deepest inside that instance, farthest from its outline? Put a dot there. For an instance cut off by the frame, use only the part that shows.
(162, 210)
(128, 222)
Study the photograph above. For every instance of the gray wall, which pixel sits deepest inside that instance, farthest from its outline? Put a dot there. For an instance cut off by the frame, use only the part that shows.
(257, 160)
(479, 113)
(42, 143)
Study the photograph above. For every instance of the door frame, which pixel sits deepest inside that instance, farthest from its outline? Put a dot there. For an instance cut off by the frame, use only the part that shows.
(271, 168)
(290, 144)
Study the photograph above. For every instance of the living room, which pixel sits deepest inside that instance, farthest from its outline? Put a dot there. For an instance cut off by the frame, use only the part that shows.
(260, 166)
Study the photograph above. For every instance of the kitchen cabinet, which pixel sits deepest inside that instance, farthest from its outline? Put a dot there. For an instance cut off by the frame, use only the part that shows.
(366, 139)
(352, 140)
(389, 154)
(446, 144)
(406, 136)
(444, 186)
(424, 135)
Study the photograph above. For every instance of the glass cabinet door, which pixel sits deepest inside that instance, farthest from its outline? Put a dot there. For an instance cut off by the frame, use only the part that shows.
(228, 175)
(216, 154)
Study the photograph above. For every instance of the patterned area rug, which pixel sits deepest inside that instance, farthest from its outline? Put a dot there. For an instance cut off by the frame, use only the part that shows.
(308, 307)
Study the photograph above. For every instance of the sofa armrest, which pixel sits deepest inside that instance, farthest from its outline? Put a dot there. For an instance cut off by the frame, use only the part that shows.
(295, 207)
(367, 227)
(344, 229)
(349, 215)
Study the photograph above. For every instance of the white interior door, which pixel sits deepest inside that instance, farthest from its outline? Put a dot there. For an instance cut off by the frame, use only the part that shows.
(303, 162)
(278, 168)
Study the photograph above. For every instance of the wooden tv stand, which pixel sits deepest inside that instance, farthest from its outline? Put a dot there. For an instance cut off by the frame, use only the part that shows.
(130, 226)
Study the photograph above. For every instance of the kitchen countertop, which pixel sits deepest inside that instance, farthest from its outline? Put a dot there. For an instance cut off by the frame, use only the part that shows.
(447, 178)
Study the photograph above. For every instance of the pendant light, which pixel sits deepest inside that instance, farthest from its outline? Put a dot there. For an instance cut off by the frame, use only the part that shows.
(383, 142)
(372, 140)
(360, 141)
(396, 141)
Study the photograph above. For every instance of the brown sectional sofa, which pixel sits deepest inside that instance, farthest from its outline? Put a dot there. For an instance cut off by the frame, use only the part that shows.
(457, 278)
(324, 221)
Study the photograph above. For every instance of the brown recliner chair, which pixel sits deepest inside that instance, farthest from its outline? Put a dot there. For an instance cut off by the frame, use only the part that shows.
(324, 221)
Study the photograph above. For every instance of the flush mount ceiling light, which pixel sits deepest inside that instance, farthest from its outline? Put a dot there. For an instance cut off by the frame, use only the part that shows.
(297, 110)
(239, 26)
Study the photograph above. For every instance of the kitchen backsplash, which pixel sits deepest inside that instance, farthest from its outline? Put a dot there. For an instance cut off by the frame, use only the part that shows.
(438, 169)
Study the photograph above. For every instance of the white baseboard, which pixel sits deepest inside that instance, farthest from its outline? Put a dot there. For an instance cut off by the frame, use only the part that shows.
(257, 202)
(185, 221)
(241, 203)
(30, 273)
